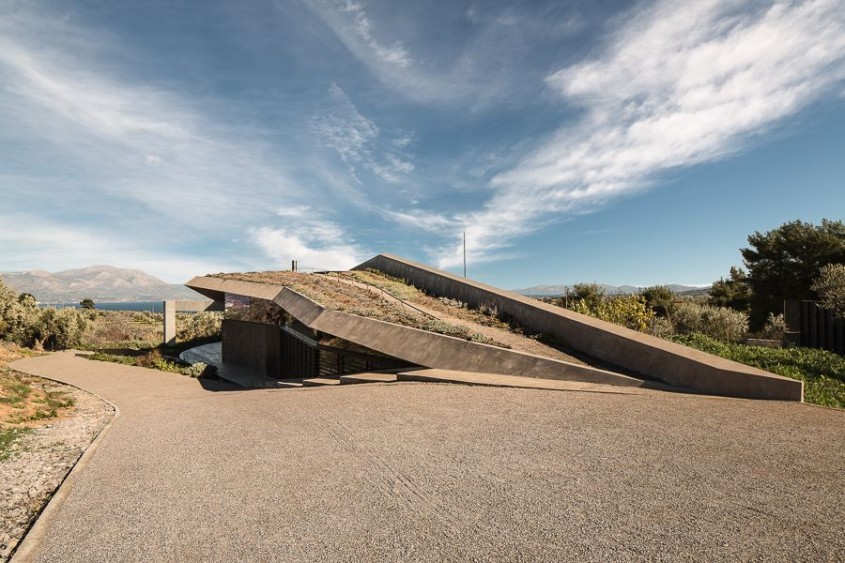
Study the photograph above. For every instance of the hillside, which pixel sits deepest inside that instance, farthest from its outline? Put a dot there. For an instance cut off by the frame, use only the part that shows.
(100, 283)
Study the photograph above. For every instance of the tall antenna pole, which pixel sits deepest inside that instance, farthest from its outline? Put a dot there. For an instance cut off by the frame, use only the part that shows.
(465, 254)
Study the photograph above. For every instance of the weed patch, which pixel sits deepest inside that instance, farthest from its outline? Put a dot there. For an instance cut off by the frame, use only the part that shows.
(9, 438)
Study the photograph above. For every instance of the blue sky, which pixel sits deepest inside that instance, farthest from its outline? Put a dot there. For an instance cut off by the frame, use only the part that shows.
(619, 142)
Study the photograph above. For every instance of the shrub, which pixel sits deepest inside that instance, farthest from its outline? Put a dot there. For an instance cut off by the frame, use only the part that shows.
(110, 328)
(661, 327)
(659, 299)
(830, 285)
(58, 329)
(626, 310)
(152, 358)
(199, 326)
(775, 327)
(23, 322)
(586, 296)
(717, 322)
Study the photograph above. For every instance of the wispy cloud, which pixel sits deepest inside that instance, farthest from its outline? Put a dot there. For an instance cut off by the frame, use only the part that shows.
(395, 54)
(679, 84)
(477, 62)
(167, 167)
(156, 147)
(357, 139)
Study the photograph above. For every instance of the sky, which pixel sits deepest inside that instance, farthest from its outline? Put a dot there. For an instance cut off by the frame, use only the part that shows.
(621, 142)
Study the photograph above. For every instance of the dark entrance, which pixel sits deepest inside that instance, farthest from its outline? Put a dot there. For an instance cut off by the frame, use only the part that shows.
(285, 353)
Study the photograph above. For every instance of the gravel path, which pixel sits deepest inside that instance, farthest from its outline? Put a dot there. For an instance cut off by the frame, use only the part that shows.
(431, 472)
(44, 456)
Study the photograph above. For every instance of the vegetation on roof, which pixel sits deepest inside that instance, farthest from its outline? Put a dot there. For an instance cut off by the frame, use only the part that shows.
(371, 295)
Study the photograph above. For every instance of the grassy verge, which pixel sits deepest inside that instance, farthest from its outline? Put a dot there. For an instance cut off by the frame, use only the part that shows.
(25, 401)
(153, 359)
(822, 372)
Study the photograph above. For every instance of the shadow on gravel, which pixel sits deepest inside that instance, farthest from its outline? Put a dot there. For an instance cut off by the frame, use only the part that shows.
(215, 384)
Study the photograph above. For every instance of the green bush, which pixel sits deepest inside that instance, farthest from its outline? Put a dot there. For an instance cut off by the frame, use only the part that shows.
(822, 372)
(154, 360)
(717, 322)
(775, 327)
(830, 285)
(659, 299)
(198, 326)
(626, 310)
(586, 296)
(26, 324)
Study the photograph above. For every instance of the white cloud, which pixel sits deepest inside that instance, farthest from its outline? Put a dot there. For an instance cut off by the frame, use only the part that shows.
(352, 25)
(312, 241)
(682, 83)
(130, 150)
(155, 148)
(399, 165)
(340, 126)
(395, 54)
(402, 142)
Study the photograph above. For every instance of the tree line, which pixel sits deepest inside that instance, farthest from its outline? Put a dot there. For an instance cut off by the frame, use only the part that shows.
(797, 260)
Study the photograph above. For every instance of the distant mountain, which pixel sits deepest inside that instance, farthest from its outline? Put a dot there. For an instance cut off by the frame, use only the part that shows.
(100, 283)
(558, 290)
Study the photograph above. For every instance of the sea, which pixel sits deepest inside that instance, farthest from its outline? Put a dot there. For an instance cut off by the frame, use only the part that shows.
(152, 306)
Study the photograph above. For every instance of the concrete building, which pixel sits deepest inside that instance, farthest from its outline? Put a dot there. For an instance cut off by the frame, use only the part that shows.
(287, 325)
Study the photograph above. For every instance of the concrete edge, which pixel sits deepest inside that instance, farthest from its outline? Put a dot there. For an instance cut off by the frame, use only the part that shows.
(37, 530)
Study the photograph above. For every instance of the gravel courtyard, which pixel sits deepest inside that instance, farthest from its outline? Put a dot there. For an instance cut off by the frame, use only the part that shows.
(432, 472)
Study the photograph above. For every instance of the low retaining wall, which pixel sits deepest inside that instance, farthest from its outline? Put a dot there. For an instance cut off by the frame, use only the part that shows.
(644, 354)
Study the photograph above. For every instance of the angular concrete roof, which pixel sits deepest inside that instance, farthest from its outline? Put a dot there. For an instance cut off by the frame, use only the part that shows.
(650, 356)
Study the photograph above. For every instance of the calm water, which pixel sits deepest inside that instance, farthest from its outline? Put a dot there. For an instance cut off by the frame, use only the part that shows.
(154, 306)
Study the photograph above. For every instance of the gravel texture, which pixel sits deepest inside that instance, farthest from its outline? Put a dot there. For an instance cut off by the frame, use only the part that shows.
(43, 458)
(198, 471)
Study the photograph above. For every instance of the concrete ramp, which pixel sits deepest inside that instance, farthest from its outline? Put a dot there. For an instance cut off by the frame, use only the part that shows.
(650, 356)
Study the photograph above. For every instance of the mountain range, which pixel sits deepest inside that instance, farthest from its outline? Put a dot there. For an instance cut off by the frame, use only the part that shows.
(108, 283)
(559, 290)
(100, 283)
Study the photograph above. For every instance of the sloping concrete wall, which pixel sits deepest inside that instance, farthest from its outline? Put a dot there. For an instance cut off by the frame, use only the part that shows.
(437, 350)
(412, 345)
(644, 354)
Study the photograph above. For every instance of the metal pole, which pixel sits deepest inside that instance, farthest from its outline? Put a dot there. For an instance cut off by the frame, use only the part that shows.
(465, 254)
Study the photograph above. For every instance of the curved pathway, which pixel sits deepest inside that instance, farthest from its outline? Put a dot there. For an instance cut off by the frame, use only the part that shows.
(431, 472)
